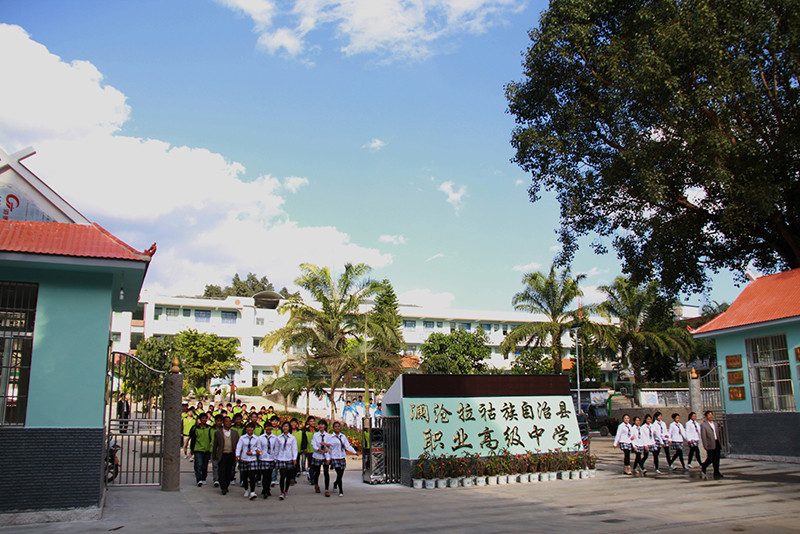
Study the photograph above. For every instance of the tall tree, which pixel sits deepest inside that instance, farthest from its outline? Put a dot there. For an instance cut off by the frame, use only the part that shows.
(248, 287)
(642, 331)
(206, 356)
(457, 353)
(309, 377)
(322, 328)
(551, 295)
(669, 126)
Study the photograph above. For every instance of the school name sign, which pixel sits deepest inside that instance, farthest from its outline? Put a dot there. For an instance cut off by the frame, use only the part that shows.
(469, 425)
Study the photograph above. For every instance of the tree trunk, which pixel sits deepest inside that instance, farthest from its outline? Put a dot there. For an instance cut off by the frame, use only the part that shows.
(308, 403)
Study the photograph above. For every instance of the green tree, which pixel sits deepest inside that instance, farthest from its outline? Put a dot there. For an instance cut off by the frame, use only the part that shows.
(457, 353)
(550, 295)
(157, 352)
(669, 127)
(206, 356)
(322, 328)
(308, 377)
(642, 332)
(532, 361)
(248, 287)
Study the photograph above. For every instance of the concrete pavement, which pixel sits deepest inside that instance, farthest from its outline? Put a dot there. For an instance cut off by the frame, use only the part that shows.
(753, 497)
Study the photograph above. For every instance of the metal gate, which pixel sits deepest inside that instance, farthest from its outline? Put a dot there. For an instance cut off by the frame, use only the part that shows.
(134, 422)
(714, 400)
(380, 462)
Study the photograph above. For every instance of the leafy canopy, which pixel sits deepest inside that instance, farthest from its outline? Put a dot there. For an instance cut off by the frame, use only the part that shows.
(457, 353)
(670, 127)
(242, 288)
(205, 356)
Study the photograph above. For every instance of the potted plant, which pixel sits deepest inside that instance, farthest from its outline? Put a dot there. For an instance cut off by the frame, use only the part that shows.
(426, 460)
(467, 471)
(591, 464)
(417, 472)
(562, 464)
(452, 470)
(440, 471)
(480, 470)
(575, 465)
(492, 469)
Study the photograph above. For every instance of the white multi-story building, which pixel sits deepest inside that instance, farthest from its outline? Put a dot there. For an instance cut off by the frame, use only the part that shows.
(241, 318)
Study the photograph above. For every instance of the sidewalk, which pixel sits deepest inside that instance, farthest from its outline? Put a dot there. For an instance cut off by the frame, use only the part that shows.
(753, 497)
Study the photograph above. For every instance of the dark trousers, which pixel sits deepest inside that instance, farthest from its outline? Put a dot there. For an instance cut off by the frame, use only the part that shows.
(666, 455)
(712, 458)
(326, 470)
(201, 465)
(641, 458)
(266, 479)
(338, 481)
(227, 468)
(656, 452)
(250, 479)
(286, 476)
(694, 451)
(678, 454)
(627, 457)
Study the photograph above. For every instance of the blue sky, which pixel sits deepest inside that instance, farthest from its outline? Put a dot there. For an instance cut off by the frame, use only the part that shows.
(252, 135)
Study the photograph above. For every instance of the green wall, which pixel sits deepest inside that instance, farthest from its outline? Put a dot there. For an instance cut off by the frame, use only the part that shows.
(70, 346)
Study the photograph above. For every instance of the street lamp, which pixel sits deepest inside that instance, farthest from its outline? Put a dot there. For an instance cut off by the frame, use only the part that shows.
(577, 327)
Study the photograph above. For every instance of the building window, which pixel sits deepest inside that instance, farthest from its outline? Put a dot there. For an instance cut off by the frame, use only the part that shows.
(428, 325)
(229, 317)
(411, 349)
(116, 337)
(172, 313)
(770, 374)
(157, 312)
(202, 316)
(466, 326)
(187, 312)
(410, 324)
(487, 327)
(17, 316)
(259, 321)
(256, 342)
(439, 324)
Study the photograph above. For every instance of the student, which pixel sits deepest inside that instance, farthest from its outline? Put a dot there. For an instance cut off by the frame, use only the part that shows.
(320, 457)
(286, 457)
(378, 410)
(624, 440)
(677, 435)
(257, 428)
(247, 453)
(653, 444)
(200, 439)
(693, 437)
(304, 444)
(238, 425)
(339, 447)
(641, 440)
(188, 421)
(267, 444)
(225, 441)
(214, 462)
(662, 439)
(349, 415)
(303, 440)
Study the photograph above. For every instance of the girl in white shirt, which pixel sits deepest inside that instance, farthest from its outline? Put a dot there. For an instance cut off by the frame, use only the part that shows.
(320, 459)
(641, 438)
(339, 447)
(247, 452)
(661, 433)
(285, 457)
(693, 437)
(677, 435)
(266, 462)
(624, 440)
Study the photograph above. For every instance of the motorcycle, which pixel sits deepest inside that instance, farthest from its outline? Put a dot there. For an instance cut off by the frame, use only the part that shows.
(112, 461)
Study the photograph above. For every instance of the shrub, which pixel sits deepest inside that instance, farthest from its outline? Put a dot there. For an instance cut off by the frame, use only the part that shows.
(249, 392)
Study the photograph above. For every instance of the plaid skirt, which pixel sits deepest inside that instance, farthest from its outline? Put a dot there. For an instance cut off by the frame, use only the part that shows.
(284, 464)
(316, 462)
(625, 446)
(640, 449)
(694, 443)
(676, 446)
(338, 463)
(246, 467)
(264, 465)
(654, 448)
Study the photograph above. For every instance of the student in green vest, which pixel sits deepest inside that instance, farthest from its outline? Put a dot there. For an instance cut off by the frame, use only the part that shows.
(200, 438)
(187, 422)
(306, 447)
(257, 428)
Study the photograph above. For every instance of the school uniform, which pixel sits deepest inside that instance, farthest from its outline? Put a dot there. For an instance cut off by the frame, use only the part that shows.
(285, 458)
(247, 452)
(349, 415)
(200, 443)
(641, 442)
(266, 461)
(693, 437)
(339, 445)
(624, 440)
(677, 435)
(319, 459)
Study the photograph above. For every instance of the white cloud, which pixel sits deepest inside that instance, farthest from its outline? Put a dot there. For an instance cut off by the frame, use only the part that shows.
(453, 195)
(393, 239)
(434, 257)
(592, 294)
(519, 182)
(594, 271)
(528, 267)
(426, 298)
(394, 29)
(555, 248)
(374, 145)
(208, 220)
(293, 183)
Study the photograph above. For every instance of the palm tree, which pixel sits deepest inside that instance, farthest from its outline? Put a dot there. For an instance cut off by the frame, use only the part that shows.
(550, 295)
(321, 329)
(638, 333)
(308, 378)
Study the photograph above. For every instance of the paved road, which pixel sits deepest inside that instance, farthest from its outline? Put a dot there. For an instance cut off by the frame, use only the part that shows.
(753, 497)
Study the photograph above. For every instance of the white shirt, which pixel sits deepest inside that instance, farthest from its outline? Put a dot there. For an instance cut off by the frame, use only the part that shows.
(266, 444)
(247, 443)
(316, 443)
(677, 433)
(339, 444)
(651, 434)
(640, 436)
(286, 448)
(692, 431)
(623, 434)
(662, 432)
(714, 428)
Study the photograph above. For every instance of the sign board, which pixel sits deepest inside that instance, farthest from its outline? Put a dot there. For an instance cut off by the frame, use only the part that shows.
(469, 425)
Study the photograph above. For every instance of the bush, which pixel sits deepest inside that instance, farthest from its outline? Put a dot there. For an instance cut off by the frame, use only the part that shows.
(249, 392)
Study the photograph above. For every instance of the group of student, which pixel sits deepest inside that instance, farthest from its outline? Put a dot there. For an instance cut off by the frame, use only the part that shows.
(353, 413)
(652, 435)
(266, 450)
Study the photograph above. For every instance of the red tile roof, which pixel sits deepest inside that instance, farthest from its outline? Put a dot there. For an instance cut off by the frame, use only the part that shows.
(66, 239)
(768, 298)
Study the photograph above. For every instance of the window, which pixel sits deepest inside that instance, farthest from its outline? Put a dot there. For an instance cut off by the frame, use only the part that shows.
(428, 325)
(229, 317)
(17, 316)
(202, 316)
(487, 327)
(466, 326)
(259, 321)
(256, 342)
(157, 312)
(409, 324)
(770, 374)
(187, 312)
(116, 337)
(172, 313)
(411, 349)
(439, 324)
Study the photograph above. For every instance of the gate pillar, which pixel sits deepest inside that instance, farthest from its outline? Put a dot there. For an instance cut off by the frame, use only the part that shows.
(171, 440)
(695, 394)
